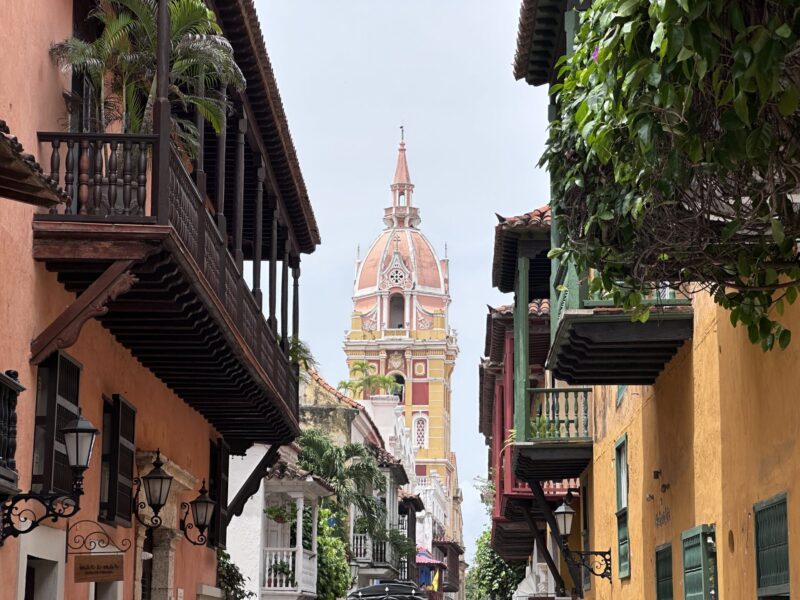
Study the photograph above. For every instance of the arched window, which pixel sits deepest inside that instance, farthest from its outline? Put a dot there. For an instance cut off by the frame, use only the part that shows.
(420, 430)
(397, 311)
(399, 390)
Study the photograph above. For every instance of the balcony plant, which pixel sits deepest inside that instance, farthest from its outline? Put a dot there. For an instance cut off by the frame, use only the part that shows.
(543, 428)
(675, 157)
(281, 572)
(121, 66)
(230, 579)
(281, 513)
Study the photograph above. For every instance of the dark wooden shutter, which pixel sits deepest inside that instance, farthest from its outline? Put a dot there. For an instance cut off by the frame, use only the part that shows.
(664, 572)
(772, 547)
(699, 566)
(124, 457)
(586, 575)
(218, 492)
(119, 454)
(65, 410)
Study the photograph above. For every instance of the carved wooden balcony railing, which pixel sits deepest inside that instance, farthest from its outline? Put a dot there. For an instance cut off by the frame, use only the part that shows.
(9, 390)
(198, 327)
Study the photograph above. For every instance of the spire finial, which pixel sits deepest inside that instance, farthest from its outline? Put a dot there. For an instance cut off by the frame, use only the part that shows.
(402, 134)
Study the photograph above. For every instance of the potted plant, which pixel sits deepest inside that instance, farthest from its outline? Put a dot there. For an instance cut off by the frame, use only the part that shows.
(281, 513)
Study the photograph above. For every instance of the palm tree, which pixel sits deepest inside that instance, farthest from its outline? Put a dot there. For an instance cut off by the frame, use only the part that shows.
(364, 380)
(124, 56)
(353, 473)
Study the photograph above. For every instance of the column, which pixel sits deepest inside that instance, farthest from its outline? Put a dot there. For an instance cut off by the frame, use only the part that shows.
(285, 300)
(220, 199)
(238, 209)
(273, 269)
(259, 236)
(165, 541)
(296, 300)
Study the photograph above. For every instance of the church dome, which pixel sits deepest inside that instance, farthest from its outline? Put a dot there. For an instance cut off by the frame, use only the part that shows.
(401, 260)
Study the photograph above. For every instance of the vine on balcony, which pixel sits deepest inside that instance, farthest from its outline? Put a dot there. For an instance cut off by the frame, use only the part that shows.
(675, 157)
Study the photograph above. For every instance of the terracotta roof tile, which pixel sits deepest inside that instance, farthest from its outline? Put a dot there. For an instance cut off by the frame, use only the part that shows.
(21, 177)
(284, 471)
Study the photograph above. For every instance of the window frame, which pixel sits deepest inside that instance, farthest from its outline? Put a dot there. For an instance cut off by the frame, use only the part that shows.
(707, 562)
(660, 549)
(621, 481)
(758, 507)
(420, 417)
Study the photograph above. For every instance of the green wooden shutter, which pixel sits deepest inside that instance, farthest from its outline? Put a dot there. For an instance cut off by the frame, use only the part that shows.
(699, 564)
(664, 572)
(772, 547)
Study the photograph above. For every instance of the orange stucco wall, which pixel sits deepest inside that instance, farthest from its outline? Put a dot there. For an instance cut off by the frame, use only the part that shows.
(30, 297)
(721, 425)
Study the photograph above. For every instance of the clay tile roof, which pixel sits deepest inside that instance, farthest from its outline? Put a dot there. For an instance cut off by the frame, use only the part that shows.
(21, 177)
(506, 237)
(284, 471)
(240, 24)
(413, 500)
(384, 458)
(329, 388)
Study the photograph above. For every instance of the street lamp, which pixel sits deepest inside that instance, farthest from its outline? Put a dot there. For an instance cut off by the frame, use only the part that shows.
(17, 517)
(202, 509)
(594, 562)
(157, 484)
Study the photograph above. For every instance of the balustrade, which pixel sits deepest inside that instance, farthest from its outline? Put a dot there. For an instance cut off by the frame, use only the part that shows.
(103, 173)
(559, 413)
(279, 569)
(362, 547)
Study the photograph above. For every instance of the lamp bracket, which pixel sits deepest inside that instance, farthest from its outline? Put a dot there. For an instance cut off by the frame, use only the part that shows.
(90, 537)
(186, 526)
(22, 513)
(140, 505)
(597, 563)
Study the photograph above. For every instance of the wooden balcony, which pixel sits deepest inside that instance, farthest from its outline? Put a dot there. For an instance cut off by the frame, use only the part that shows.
(9, 391)
(557, 443)
(596, 343)
(159, 272)
(452, 552)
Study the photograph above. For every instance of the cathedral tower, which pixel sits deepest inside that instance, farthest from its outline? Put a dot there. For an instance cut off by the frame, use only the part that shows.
(400, 325)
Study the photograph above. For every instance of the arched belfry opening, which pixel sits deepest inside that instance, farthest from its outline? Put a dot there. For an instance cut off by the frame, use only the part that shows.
(397, 311)
(399, 391)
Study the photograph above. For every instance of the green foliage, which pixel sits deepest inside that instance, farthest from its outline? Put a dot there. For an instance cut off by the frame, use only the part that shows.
(365, 380)
(542, 427)
(490, 577)
(121, 65)
(333, 572)
(353, 473)
(230, 579)
(281, 513)
(300, 354)
(488, 491)
(675, 155)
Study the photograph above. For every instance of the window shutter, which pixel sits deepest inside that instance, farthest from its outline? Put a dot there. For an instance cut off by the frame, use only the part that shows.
(772, 547)
(586, 574)
(218, 492)
(698, 564)
(623, 537)
(125, 421)
(58, 385)
(664, 572)
(624, 544)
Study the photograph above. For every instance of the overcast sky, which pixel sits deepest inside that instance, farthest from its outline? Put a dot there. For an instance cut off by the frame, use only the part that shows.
(350, 73)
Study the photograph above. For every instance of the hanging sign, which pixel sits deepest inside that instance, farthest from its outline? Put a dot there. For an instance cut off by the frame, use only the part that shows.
(98, 567)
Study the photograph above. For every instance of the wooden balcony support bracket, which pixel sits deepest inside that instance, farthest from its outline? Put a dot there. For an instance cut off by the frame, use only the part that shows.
(253, 482)
(542, 545)
(63, 332)
(540, 501)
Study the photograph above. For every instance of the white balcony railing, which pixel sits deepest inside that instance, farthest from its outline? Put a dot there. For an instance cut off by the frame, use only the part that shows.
(283, 573)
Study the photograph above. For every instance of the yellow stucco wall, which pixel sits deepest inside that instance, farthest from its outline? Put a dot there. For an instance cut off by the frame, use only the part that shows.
(720, 424)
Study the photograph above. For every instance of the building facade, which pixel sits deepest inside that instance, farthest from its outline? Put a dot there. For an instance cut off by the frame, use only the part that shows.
(679, 431)
(400, 326)
(124, 301)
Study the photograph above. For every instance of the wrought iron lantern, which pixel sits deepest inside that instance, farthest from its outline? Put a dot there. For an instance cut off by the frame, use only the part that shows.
(156, 484)
(18, 513)
(202, 509)
(592, 561)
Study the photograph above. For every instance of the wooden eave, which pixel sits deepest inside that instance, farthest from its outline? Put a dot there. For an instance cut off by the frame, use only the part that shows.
(177, 326)
(509, 244)
(239, 22)
(596, 346)
(552, 459)
(541, 40)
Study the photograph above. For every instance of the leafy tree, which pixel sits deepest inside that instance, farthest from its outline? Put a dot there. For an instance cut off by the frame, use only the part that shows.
(121, 65)
(490, 577)
(353, 473)
(365, 380)
(230, 579)
(675, 157)
(333, 571)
